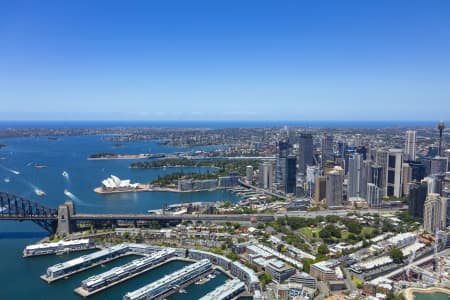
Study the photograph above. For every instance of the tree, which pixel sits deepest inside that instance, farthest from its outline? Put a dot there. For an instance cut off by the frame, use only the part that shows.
(397, 255)
(265, 278)
(353, 226)
(332, 219)
(307, 262)
(323, 249)
(232, 256)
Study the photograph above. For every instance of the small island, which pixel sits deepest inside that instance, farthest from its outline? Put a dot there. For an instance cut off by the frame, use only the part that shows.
(111, 156)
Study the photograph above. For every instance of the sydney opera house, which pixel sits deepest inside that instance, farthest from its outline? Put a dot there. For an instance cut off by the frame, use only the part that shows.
(115, 183)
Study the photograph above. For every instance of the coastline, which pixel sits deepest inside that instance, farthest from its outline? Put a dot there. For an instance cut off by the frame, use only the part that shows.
(409, 292)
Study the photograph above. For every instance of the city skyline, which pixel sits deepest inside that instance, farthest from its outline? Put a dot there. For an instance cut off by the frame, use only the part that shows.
(225, 61)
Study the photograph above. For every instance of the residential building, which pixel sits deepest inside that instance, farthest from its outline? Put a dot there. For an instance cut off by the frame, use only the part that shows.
(435, 213)
(334, 187)
(410, 145)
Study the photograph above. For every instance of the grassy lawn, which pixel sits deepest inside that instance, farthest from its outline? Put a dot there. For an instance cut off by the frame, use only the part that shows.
(367, 230)
(309, 232)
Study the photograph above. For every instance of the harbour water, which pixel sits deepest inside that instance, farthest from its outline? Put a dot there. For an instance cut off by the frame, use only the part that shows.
(20, 277)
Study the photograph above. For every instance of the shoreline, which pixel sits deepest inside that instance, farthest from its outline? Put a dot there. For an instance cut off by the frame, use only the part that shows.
(409, 292)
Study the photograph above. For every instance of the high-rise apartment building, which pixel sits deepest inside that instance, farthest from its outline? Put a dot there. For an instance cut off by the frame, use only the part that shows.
(435, 213)
(410, 145)
(249, 173)
(354, 175)
(335, 179)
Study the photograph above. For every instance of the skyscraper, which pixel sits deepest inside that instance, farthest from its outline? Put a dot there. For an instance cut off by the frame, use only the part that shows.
(438, 165)
(335, 179)
(376, 176)
(410, 145)
(305, 152)
(320, 189)
(407, 178)
(435, 213)
(291, 171)
(354, 175)
(394, 173)
(327, 149)
(249, 173)
(417, 170)
(311, 173)
(374, 196)
(416, 199)
(365, 176)
(382, 161)
(441, 127)
(281, 170)
(265, 175)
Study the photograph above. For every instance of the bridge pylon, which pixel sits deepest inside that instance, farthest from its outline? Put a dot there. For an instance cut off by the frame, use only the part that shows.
(65, 212)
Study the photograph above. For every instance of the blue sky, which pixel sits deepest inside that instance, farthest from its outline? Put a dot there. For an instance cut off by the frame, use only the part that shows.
(225, 60)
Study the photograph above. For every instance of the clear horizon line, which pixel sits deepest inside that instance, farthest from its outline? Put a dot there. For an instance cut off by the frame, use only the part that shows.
(214, 121)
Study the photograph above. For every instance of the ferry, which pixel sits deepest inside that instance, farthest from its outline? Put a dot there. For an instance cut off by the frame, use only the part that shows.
(39, 192)
(65, 174)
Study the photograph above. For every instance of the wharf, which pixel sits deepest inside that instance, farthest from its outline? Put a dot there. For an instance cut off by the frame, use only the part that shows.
(66, 275)
(84, 293)
(65, 251)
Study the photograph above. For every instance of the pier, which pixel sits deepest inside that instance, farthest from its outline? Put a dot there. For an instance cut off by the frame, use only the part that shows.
(171, 283)
(58, 247)
(123, 273)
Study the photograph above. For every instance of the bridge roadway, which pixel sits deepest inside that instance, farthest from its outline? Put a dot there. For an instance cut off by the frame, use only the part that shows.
(224, 218)
(203, 217)
(169, 217)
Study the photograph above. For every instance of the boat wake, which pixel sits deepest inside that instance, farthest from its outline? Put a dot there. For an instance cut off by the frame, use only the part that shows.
(10, 170)
(74, 198)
